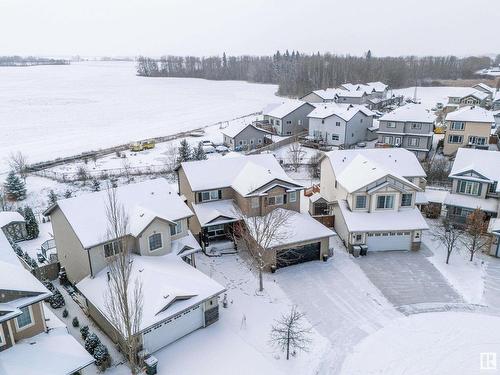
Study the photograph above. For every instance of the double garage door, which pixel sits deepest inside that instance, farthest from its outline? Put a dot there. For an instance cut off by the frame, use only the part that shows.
(167, 332)
(299, 254)
(384, 241)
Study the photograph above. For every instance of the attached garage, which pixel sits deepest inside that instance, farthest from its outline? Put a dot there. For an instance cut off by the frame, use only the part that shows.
(384, 241)
(298, 254)
(173, 329)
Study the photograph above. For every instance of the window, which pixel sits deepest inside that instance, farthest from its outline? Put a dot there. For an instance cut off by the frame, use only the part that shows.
(337, 123)
(415, 126)
(391, 124)
(299, 122)
(155, 241)
(360, 201)
(259, 141)
(455, 139)
(255, 202)
(457, 125)
(480, 141)
(388, 140)
(111, 248)
(211, 195)
(385, 201)
(275, 201)
(413, 141)
(361, 120)
(24, 320)
(335, 137)
(277, 122)
(177, 228)
(293, 196)
(406, 200)
(358, 237)
(469, 187)
(272, 122)
(493, 188)
(397, 141)
(322, 121)
(215, 230)
(289, 122)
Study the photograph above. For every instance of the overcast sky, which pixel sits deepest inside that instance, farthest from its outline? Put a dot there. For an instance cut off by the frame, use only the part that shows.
(206, 27)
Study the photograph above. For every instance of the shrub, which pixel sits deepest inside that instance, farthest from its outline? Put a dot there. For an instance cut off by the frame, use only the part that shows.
(84, 331)
(75, 322)
(56, 300)
(101, 356)
(65, 313)
(91, 342)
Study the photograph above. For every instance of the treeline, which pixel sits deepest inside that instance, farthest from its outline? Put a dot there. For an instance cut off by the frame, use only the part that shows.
(29, 61)
(297, 73)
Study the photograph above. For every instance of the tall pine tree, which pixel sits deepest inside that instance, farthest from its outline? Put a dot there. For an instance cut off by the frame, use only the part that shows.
(199, 152)
(185, 153)
(31, 223)
(15, 187)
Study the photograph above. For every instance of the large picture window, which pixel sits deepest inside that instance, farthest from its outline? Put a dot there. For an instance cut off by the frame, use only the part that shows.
(155, 241)
(385, 201)
(469, 187)
(210, 195)
(275, 201)
(293, 196)
(360, 201)
(111, 248)
(406, 200)
(457, 125)
(455, 139)
(177, 228)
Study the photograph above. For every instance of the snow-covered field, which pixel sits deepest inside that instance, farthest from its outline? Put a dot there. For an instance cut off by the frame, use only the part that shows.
(52, 111)
(429, 96)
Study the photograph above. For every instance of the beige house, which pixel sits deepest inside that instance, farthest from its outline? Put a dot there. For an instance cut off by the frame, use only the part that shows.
(372, 195)
(178, 298)
(469, 126)
(223, 192)
(30, 334)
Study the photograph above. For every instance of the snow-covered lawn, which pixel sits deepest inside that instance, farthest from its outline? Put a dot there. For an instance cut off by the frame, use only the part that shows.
(466, 276)
(429, 96)
(53, 111)
(434, 343)
(239, 341)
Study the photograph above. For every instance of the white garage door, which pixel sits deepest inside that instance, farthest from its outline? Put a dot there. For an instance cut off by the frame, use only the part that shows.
(173, 329)
(389, 241)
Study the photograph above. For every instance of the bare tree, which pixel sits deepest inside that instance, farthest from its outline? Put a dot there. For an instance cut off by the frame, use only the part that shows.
(18, 162)
(437, 170)
(314, 165)
(126, 168)
(475, 238)
(261, 234)
(295, 155)
(290, 333)
(82, 174)
(124, 297)
(449, 235)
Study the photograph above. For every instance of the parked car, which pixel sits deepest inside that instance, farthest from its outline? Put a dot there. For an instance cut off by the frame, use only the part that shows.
(221, 148)
(206, 142)
(136, 147)
(209, 149)
(149, 144)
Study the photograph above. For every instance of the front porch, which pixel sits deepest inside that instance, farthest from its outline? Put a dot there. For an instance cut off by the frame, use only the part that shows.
(218, 239)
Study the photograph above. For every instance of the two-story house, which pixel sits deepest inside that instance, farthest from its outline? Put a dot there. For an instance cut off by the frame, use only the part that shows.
(223, 192)
(468, 126)
(476, 184)
(410, 126)
(32, 340)
(244, 136)
(467, 96)
(372, 195)
(177, 298)
(288, 118)
(321, 96)
(340, 124)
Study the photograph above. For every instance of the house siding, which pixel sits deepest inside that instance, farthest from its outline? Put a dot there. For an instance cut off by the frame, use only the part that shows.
(300, 114)
(71, 254)
(478, 129)
(35, 329)
(253, 137)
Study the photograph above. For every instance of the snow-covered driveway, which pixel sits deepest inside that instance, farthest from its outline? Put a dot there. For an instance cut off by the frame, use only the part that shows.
(339, 301)
(407, 278)
(491, 295)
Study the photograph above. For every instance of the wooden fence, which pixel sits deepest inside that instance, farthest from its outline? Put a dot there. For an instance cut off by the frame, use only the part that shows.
(277, 145)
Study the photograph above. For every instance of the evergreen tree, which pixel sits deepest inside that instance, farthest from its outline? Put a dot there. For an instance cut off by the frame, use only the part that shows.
(15, 188)
(84, 331)
(67, 194)
(185, 153)
(96, 185)
(199, 152)
(52, 197)
(91, 342)
(31, 223)
(101, 354)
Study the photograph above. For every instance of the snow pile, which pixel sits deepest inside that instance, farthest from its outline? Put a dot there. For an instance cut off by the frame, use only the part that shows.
(435, 343)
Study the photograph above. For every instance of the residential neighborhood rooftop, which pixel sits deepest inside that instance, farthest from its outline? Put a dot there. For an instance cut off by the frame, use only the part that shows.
(410, 112)
(285, 108)
(471, 114)
(344, 111)
(484, 162)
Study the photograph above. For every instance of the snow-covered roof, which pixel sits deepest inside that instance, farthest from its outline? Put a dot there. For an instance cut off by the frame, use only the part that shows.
(350, 94)
(54, 352)
(326, 94)
(169, 286)
(14, 277)
(286, 108)
(316, 197)
(361, 172)
(216, 212)
(185, 245)
(472, 202)
(496, 97)
(462, 92)
(143, 202)
(299, 227)
(484, 86)
(421, 198)
(378, 86)
(405, 219)
(344, 111)
(234, 129)
(472, 114)
(7, 217)
(245, 174)
(435, 195)
(481, 95)
(484, 162)
(410, 113)
(398, 161)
